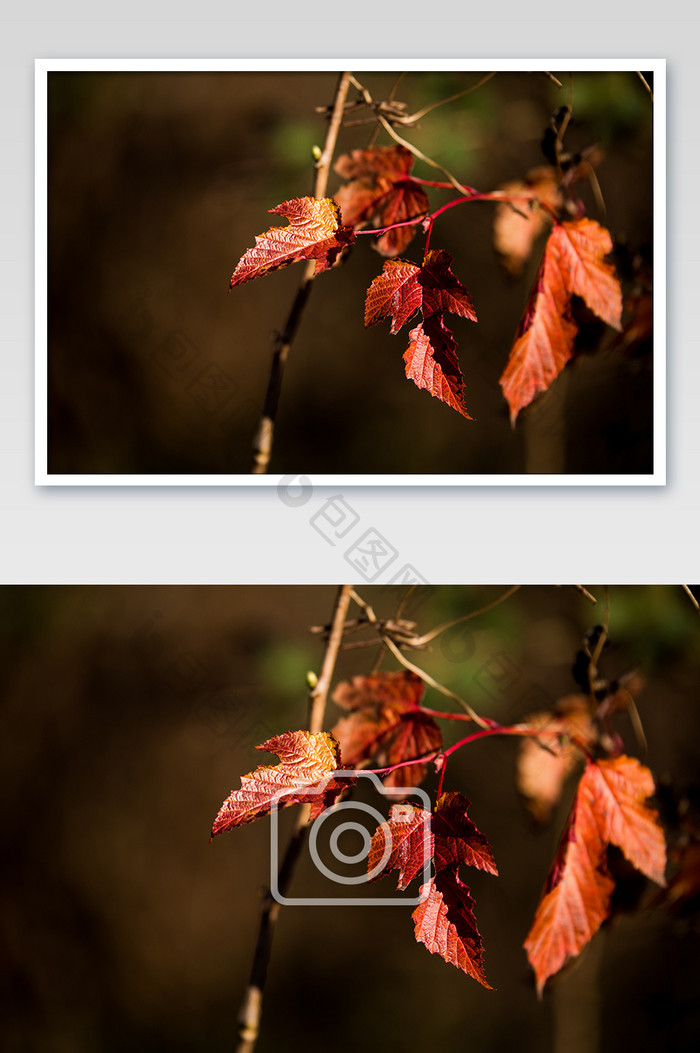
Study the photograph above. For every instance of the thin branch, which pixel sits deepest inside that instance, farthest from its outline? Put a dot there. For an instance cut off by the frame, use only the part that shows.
(264, 438)
(251, 1010)
(565, 123)
(598, 650)
(427, 637)
(460, 94)
(645, 82)
(419, 154)
(553, 78)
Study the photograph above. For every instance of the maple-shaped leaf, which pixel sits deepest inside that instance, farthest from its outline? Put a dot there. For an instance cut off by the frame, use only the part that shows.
(307, 761)
(431, 363)
(381, 192)
(515, 229)
(404, 288)
(457, 838)
(445, 923)
(412, 835)
(545, 762)
(315, 232)
(385, 723)
(573, 265)
(609, 808)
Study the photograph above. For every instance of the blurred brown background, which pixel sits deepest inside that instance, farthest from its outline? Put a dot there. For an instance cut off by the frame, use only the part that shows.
(129, 713)
(157, 184)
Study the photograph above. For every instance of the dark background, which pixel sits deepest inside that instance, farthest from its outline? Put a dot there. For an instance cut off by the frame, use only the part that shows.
(158, 182)
(129, 713)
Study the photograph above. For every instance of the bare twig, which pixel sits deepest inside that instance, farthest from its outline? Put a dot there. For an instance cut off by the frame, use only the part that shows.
(553, 78)
(600, 644)
(646, 84)
(425, 677)
(427, 637)
(452, 98)
(262, 446)
(251, 1010)
(565, 123)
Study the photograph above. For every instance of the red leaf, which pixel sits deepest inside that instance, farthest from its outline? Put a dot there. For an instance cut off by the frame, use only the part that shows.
(515, 232)
(609, 808)
(306, 761)
(396, 293)
(448, 838)
(314, 233)
(385, 724)
(408, 835)
(457, 838)
(381, 193)
(573, 264)
(545, 762)
(403, 288)
(445, 923)
(431, 363)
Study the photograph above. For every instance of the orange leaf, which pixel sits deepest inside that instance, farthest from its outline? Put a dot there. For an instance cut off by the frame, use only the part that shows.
(314, 233)
(573, 264)
(445, 923)
(386, 724)
(306, 761)
(621, 787)
(381, 193)
(431, 363)
(608, 809)
(545, 762)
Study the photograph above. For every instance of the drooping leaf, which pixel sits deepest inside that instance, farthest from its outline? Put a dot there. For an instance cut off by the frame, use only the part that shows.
(385, 724)
(573, 264)
(515, 229)
(302, 776)
(609, 808)
(407, 841)
(544, 763)
(380, 193)
(431, 363)
(314, 232)
(445, 923)
(457, 837)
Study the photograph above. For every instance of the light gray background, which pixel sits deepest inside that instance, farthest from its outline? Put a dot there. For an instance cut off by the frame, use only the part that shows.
(248, 535)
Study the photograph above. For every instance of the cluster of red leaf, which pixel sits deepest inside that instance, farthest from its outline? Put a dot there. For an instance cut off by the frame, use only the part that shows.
(398, 293)
(381, 191)
(384, 723)
(444, 919)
